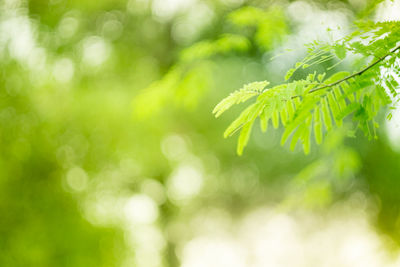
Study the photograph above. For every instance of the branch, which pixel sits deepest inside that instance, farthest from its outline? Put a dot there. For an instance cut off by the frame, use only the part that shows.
(357, 73)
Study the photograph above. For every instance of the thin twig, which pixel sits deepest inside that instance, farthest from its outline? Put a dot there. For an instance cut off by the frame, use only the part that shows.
(357, 73)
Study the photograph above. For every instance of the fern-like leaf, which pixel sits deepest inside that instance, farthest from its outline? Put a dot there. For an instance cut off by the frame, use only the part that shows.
(248, 91)
(304, 106)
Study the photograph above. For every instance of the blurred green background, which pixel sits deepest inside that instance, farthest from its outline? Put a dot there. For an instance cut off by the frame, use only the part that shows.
(110, 156)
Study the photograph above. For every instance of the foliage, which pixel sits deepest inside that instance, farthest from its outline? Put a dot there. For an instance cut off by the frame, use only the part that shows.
(311, 105)
(83, 183)
(268, 30)
(270, 25)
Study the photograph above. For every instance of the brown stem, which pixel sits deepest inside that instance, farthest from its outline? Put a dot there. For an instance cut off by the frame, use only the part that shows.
(357, 73)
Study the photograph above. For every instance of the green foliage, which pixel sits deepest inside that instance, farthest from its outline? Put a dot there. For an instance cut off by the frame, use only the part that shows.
(75, 168)
(269, 26)
(225, 44)
(298, 104)
(316, 184)
(182, 86)
(242, 95)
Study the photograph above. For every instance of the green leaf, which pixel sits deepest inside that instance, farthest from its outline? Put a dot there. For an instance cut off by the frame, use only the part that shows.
(275, 119)
(289, 74)
(244, 137)
(291, 127)
(297, 102)
(296, 136)
(317, 125)
(334, 108)
(299, 88)
(307, 105)
(347, 90)
(358, 95)
(284, 116)
(383, 95)
(367, 104)
(337, 77)
(311, 77)
(265, 116)
(348, 110)
(305, 138)
(360, 114)
(321, 77)
(340, 51)
(242, 119)
(339, 97)
(326, 114)
(239, 96)
(290, 109)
